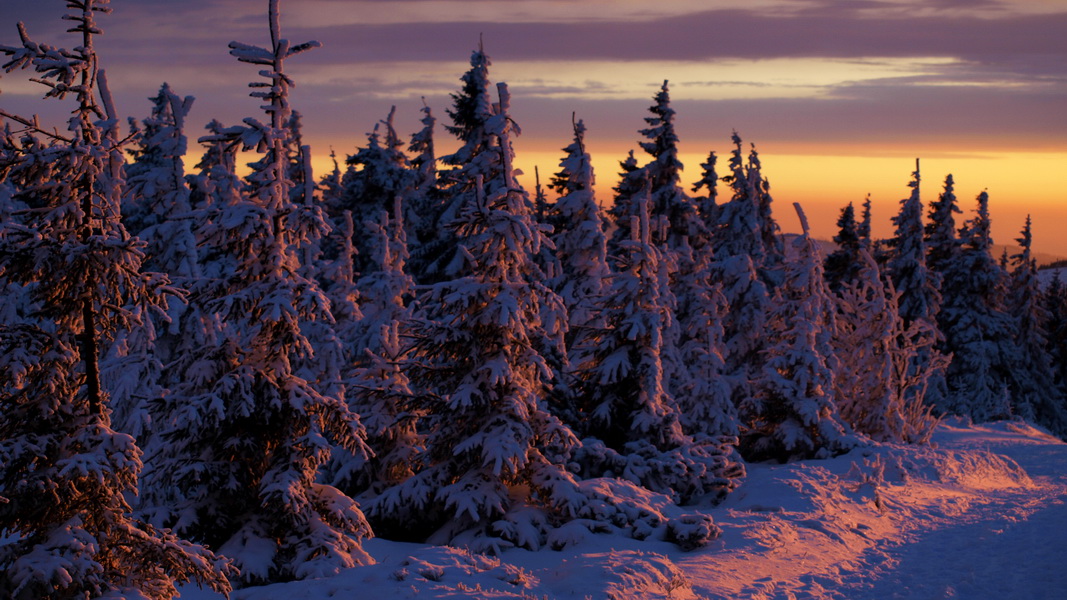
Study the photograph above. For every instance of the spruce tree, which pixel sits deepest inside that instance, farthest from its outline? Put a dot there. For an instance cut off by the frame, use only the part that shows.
(156, 207)
(634, 424)
(703, 390)
(65, 475)
(426, 198)
(1054, 300)
(707, 206)
(793, 413)
(1034, 393)
(843, 264)
(759, 187)
(436, 259)
(214, 188)
(581, 245)
(246, 434)
(738, 231)
(978, 332)
(493, 449)
(376, 386)
(672, 214)
(940, 233)
(918, 285)
(863, 228)
(376, 176)
(739, 254)
(545, 217)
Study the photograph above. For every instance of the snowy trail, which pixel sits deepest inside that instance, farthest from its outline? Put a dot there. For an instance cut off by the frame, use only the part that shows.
(1014, 546)
(1005, 556)
(981, 517)
(1005, 544)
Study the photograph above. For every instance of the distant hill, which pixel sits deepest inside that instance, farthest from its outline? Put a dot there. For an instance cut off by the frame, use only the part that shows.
(1044, 260)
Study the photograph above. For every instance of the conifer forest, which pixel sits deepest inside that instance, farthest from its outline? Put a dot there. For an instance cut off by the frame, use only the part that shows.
(225, 375)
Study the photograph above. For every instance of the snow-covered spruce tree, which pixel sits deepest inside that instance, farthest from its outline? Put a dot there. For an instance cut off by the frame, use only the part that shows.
(245, 433)
(1055, 303)
(426, 198)
(793, 412)
(295, 155)
(942, 245)
(337, 269)
(155, 177)
(707, 206)
(215, 188)
(702, 390)
(483, 154)
(330, 186)
(65, 475)
(739, 253)
(545, 217)
(1033, 387)
(863, 228)
(308, 227)
(978, 332)
(156, 207)
(942, 252)
(215, 180)
(376, 176)
(911, 276)
(672, 215)
(343, 291)
(878, 391)
(492, 473)
(918, 285)
(376, 387)
(581, 245)
(738, 231)
(158, 195)
(634, 425)
(843, 264)
(759, 187)
(437, 258)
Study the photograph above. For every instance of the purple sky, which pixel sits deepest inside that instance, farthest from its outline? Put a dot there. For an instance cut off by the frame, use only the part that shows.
(839, 95)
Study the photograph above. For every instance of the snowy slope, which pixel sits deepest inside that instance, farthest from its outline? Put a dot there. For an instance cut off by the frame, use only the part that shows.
(982, 515)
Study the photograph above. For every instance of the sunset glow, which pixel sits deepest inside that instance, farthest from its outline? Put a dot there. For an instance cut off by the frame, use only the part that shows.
(972, 89)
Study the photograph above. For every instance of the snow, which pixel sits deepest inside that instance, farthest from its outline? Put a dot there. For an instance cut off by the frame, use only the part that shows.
(979, 514)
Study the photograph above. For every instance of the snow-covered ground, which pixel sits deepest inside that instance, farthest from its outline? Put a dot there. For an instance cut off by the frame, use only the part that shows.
(981, 515)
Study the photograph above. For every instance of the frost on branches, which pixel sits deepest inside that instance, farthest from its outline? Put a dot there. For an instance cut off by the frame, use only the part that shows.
(880, 388)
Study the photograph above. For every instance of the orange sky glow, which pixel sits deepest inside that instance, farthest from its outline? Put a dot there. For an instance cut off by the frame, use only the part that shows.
(839, 97)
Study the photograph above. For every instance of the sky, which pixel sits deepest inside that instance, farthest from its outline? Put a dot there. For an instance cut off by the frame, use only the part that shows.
(839, 96)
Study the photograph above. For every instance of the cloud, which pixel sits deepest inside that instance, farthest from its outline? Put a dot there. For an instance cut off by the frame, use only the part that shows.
(831, 70)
